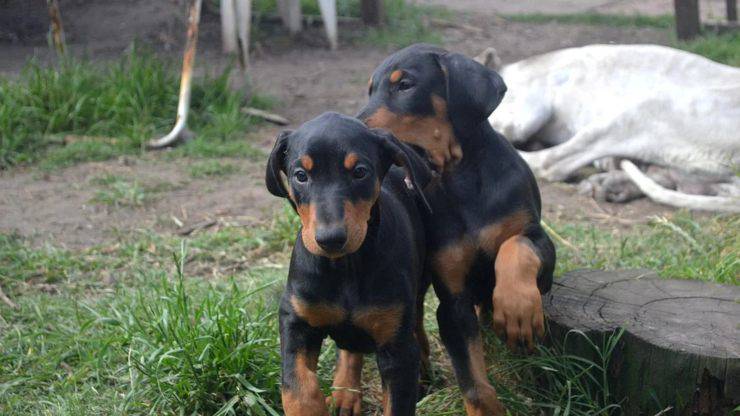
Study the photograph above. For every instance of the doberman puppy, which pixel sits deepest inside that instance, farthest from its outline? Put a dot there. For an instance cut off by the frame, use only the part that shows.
(356, 268)
(486, 248)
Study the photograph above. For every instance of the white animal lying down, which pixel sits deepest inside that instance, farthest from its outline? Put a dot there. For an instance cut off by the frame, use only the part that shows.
(644, 103)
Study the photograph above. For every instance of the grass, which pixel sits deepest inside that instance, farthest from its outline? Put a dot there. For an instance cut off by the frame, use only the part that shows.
(119, 329)
(596, 19)
(681, 246)
(164, 343)
(131, 100)
(723, 48)
(406, 23)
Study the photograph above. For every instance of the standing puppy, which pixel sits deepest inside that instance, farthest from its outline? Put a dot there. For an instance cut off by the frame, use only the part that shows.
(485, 244)
(356, 269)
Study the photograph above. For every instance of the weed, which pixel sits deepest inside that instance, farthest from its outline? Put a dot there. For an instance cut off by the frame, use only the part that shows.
(721, 48)
(132, 100)
(724, 48)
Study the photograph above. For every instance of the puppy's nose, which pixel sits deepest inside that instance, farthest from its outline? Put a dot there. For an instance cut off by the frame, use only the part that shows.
(331, 238)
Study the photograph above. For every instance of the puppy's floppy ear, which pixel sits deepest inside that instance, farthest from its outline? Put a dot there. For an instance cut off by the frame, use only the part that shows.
(473, 91)
(276, 164)
(417, 170)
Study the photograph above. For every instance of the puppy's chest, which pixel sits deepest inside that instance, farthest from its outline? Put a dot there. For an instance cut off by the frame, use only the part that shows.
(341, 319)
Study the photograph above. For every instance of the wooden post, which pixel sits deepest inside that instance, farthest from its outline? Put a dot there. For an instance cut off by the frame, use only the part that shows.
(372, 12)
(243, 26)
(731, 10)
(329, 15)
(57, 30)
(687, 18)
(228, 26)
(290, 12)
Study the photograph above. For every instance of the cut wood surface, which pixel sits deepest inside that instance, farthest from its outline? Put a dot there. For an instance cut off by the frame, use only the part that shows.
(681, 343)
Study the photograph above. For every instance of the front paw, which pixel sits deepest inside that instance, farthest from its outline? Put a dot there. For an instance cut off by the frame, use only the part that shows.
(517, 313)
(345, 401)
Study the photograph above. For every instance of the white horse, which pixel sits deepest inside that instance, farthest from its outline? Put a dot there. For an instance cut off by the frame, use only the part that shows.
(652, 105)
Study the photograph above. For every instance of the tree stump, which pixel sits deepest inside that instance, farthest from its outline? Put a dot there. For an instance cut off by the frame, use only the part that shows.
(681, 343)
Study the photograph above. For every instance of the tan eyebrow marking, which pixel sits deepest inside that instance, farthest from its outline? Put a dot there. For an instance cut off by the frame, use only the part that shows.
(396, 76)
(350, 161)
(370, 83)
(307, 162)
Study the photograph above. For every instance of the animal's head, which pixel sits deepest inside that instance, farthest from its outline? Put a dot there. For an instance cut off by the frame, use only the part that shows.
(333, 167)
(424, 95)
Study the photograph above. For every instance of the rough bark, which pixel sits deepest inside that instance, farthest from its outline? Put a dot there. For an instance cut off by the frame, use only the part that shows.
(681, 343)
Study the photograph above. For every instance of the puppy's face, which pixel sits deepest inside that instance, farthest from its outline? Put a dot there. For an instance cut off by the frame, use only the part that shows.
(334, 185)
(407, 97)
(423, 94)
(333, 167)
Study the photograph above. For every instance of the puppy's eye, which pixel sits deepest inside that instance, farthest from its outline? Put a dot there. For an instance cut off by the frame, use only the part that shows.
(300, 176)
(359, 172)
(405, 84)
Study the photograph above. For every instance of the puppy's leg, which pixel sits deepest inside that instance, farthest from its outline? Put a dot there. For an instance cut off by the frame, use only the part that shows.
(524, 266)
(424, 350)
(458, 327)
(347, 395)
(398, 363)
(299, 349)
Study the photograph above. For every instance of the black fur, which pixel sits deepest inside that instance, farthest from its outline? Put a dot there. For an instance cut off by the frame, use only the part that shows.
(386, 270)
(489, 184)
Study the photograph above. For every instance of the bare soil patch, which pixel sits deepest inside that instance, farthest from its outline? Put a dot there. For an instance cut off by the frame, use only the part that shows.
(306, 79)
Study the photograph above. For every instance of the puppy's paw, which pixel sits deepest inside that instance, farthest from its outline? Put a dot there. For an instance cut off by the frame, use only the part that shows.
(517, 313)
(345, 402)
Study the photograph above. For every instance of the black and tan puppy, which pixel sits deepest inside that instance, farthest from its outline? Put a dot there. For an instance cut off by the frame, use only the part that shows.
(356, 269)
(484, 241)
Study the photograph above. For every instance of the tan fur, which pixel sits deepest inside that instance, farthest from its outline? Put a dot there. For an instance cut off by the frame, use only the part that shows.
(347, 384)
(307, 162)
(350, 161)
(356, 216)
(481, 400)
(452, 264)
(318, 314)
(433, 133)
(381, 323)
(395, 76)
(491, 236)
(516, 297)
(307, 214)
(306, 398)
(387, 410)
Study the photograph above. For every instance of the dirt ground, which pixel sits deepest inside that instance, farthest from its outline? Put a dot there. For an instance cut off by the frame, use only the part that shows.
(305, 77)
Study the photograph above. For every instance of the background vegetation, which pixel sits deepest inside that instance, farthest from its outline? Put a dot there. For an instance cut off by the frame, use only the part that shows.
(151, 323)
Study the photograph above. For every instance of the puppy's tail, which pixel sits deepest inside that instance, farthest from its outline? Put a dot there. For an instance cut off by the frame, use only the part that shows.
(678, 199)
(489, 58)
